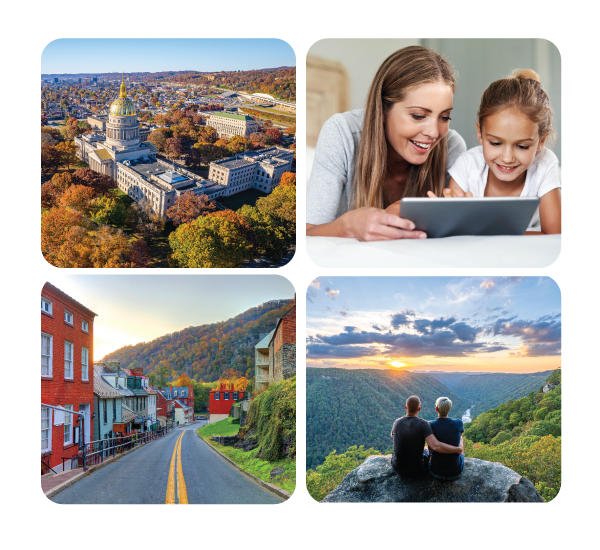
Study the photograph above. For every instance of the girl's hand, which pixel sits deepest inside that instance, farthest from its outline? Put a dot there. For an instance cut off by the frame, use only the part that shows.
(373, 224)
(450, 193)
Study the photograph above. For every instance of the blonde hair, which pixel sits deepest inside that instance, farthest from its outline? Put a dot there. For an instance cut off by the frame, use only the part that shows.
(443, 405)
(520, 92)
(400, 72)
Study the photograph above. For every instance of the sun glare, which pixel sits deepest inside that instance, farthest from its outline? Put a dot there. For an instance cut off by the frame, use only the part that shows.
(398, 364)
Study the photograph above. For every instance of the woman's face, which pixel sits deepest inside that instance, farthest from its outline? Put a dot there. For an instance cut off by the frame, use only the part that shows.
(414, 125)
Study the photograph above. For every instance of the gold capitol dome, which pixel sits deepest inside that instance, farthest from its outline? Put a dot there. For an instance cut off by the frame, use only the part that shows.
(123, 106)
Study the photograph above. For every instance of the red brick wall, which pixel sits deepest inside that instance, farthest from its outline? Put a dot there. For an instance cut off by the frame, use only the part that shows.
(286, 332)
(221, 406)
(55, 389)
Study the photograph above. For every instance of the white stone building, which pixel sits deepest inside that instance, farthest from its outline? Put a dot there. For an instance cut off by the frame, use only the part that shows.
(228, 125)
(260, 170)
(120, 142)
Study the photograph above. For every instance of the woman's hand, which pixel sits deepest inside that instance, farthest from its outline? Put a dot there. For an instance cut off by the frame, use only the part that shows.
(373, 224)
(450, 193)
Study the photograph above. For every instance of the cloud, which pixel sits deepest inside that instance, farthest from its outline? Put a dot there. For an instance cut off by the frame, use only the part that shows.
(539, 337)
(380, 328)
(350, 329)
(443, 343)
(488, 284)
(331, 293)
(402, 318)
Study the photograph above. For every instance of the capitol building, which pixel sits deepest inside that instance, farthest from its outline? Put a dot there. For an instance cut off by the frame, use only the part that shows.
(120, 153)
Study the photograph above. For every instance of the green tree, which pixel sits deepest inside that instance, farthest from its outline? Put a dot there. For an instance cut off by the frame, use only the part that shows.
(209, 241)
(107, 211)
(336, 467)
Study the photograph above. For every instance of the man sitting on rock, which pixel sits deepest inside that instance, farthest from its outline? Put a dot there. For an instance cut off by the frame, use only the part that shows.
(447, 467)
(410, 458)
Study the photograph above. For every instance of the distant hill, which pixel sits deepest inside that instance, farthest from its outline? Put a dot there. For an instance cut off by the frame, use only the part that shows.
(492, 389)
(206, 351)
(449, 379)
(346, 407)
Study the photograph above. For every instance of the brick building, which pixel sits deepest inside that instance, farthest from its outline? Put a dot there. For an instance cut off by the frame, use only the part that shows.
(67, 376)
(220, 403)
(284, 346)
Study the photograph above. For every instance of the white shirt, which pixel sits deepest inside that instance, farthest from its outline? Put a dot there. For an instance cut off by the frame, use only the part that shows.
(470, 172)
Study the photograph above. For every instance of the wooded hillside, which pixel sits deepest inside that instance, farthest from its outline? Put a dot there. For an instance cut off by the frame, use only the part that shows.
(358, 407)
(206, 351)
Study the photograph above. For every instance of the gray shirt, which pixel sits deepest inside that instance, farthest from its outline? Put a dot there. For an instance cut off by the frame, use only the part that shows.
(329, 191)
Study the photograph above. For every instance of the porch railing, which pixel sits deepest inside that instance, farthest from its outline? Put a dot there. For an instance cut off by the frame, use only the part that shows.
(95, 452)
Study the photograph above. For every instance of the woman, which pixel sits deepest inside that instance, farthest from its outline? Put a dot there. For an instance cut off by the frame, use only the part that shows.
(404, 149)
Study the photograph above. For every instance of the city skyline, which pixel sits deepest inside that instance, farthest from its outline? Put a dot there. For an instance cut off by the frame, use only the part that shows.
(82, 56)
(469, 324)
(139, 308)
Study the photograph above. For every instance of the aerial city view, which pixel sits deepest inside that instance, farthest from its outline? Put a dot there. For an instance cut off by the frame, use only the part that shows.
(168, 153)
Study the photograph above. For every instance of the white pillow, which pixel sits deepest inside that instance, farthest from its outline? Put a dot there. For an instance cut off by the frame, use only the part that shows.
(310, 157)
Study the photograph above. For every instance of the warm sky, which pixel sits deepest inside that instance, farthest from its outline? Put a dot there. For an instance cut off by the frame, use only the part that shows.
(76, 55)
(139, 308)
(476, 324)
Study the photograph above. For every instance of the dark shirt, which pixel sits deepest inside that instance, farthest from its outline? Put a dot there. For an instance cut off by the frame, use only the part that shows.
(446, 430)
(409, 440)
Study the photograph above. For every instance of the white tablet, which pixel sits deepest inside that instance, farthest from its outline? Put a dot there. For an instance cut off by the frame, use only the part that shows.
(443, 217)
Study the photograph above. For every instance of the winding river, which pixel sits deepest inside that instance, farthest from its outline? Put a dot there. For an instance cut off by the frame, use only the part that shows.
(467, 416)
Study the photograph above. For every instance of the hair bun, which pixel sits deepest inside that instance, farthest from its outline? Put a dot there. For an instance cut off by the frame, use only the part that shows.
(526, 74)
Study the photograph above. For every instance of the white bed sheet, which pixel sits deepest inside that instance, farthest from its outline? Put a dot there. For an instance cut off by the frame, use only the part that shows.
(481, 252)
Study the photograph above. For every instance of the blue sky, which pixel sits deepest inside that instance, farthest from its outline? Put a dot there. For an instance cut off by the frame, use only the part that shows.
(70, 55)
(139, 308)
(483, 324)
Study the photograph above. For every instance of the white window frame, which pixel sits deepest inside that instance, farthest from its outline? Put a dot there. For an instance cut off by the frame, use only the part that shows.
(68, 317)
(226, 396)
(217, 396)
(48, 303)
(49, 373)
(48, 429)
(68, 426)
(85, 325)
(69, 360)
(85, 361)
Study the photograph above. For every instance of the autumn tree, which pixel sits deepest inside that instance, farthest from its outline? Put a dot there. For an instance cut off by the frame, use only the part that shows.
(275, 135)
(209, 241)
(271, 238)
(173, 147)
(51, 158)
(100, 183)
(188, 207)
(78, 197)
(281, 203)
(140, 254)
(56, 224)
(288, 179)
(53, 190)
(158, 139)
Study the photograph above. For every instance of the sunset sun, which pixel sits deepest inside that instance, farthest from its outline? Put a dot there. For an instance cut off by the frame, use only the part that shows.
(398, 364)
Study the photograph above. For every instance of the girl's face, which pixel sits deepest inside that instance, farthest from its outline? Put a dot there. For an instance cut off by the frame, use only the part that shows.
(510, 141)
(416, 124)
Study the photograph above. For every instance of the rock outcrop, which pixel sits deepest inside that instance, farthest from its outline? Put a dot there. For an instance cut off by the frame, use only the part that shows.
(376, 481)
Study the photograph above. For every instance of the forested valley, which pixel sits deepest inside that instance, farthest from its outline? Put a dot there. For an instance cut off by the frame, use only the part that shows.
(346, 407)
(524, 433)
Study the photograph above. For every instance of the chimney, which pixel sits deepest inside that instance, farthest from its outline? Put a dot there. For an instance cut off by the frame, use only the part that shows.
(113, 366)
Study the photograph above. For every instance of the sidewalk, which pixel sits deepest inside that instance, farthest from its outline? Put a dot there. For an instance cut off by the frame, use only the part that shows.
(50, 483)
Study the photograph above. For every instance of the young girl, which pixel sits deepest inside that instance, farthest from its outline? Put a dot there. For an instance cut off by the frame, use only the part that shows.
(514, 126)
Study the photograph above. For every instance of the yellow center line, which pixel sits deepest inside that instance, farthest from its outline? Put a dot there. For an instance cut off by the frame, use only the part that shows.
(170, 499)
(181, 489)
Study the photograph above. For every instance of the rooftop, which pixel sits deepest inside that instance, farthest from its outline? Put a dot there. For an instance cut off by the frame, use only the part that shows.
(232, 115)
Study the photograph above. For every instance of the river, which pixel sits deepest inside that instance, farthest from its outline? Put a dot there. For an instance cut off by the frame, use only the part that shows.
(467, 416)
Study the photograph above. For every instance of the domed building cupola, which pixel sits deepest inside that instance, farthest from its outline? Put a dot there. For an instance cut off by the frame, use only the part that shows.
(123, 106)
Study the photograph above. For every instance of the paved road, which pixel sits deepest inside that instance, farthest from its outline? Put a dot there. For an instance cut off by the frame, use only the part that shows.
(157, 474)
